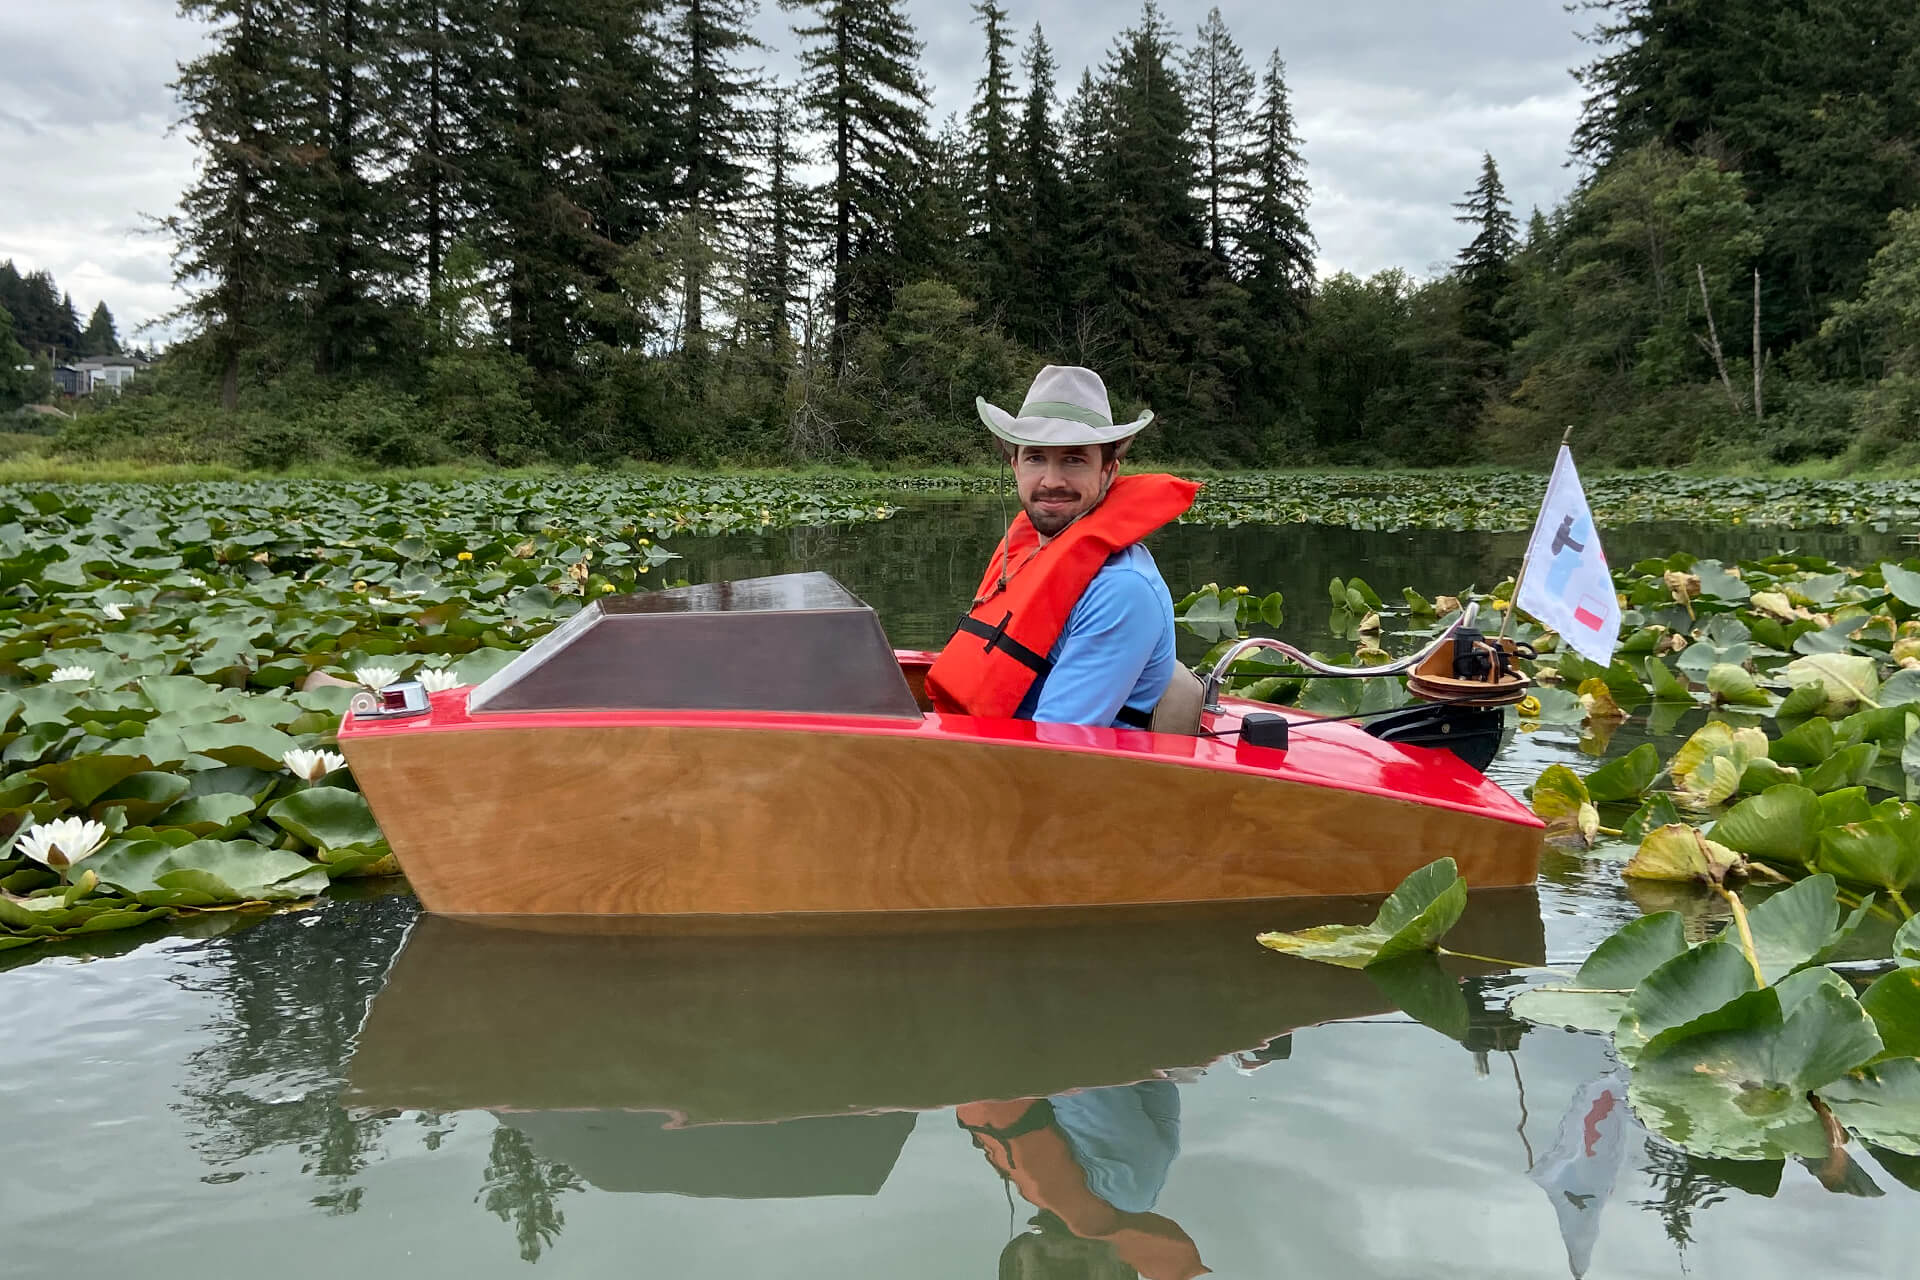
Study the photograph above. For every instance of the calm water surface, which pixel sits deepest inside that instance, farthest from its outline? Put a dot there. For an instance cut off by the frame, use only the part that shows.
(358, 1089)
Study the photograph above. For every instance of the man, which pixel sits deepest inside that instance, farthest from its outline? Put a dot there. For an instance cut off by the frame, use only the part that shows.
(1072, 623)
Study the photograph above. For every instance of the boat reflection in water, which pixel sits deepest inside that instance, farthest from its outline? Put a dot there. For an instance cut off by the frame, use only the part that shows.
(758, 1066)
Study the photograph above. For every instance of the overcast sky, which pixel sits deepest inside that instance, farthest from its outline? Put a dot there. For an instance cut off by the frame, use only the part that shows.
(1395, 100)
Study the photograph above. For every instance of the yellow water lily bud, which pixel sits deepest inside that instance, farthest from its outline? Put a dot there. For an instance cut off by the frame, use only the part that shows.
(360, 585)
(1529, 706)
(1240, 591)
(605, 587)
(464, 556)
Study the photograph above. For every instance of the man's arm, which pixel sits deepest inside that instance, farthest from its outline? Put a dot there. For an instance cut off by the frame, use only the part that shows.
(1108, 641)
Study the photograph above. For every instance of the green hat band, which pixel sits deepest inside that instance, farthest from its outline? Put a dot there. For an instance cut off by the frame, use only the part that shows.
(1061, 409)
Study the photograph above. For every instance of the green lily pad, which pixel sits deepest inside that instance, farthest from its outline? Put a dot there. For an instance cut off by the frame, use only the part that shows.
(221, 871)
(1849, 679)
(1848, 767)
(85, 779)
(1791, 927)
(1422, 990)
(1878, 853)
(140, 797)
(1736, 686)
(1781, 824)
(1597, 997)
(239, 742)
(327, 817)
(1626, 778)
(1688, 987)
(1665, 686)
(217, 815)
(1560, 800)
(1657, 812)
(1414, 918)
(1893, 1002)
(1740, 1092)
(1881, 1104)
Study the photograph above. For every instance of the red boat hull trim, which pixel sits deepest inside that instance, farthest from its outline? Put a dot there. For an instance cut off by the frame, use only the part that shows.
(643, 813)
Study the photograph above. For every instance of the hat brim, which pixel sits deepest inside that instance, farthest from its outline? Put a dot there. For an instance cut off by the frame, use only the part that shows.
(1048, 432)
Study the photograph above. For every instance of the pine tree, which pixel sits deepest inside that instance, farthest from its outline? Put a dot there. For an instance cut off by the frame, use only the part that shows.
(1151, 229)
(782, 224)
(709, 133)
(1220, 86)
(100, 338)
(17, 385)
(862, 90)
(430, 107)
(234, 236)
(990, 126)
(1035, 301)
(1485, 264)
(1276, 245)
(565, 171)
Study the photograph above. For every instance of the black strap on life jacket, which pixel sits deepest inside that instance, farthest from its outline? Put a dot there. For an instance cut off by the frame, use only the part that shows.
(1135, 718)
(997, 638)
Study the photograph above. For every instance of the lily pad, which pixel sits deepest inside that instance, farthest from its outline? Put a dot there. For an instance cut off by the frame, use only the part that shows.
(1791, 927)
(1688, 987)
(1879, 853)
(1848, 679)
(1781, 824)
(1414, 918)
(1893, 1002)
(1678, 852)
(1560, 800)
(1626, 778)
(215, 871)
(327, 817)
(1741, 1092)
(1598, 995)
(1881, 1104)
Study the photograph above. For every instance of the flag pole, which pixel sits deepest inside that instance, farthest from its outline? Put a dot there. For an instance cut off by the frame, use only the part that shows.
(1513, 603)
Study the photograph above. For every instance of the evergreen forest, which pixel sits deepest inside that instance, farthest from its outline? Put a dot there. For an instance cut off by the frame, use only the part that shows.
(440, 230)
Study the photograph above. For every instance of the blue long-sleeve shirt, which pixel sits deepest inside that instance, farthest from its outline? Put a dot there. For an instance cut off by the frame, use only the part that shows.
(1115, 651)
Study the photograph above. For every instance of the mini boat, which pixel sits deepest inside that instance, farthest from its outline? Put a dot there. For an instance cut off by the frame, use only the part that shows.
(757, 748)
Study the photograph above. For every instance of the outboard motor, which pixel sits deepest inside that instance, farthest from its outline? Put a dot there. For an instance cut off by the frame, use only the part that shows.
(1472, 733)
(1461, 695)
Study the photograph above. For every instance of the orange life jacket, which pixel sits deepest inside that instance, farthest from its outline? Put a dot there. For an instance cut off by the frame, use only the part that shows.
(1017, 615)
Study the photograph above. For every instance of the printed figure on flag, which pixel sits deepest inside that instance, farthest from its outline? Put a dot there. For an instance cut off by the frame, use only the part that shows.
(1565, 581)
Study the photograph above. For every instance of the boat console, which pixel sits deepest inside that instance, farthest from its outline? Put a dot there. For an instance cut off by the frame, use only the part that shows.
(798, 642)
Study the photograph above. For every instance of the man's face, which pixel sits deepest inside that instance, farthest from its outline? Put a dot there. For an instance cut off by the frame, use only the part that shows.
(1058, 483)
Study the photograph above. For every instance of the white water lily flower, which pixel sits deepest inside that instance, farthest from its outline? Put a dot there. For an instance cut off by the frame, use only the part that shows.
(312, 765)
(376, 677)
(196, 580)
(438, 680)
(78, 674)
(62, 843)
(113, 612)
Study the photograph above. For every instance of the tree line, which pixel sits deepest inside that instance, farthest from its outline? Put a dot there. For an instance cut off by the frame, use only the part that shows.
(434, 228)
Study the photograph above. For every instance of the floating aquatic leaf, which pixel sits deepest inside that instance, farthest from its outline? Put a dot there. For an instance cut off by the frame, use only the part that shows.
(1848, 679)
(1735, 686)
(1560, 799)
(1848, 767)
(1781, 824)
(1880, 1104)
(1903, 583)
(1893, 1002)
(1880, 853)
(1597, 997)
(1413, 918)
(207, 872)
(1687, 988)
(142, 796)
(1742, 1092)
(1665, 685)
(1792, 927)
(1626, 778)
(327, 817)
(1678, 852)
(1657, 812)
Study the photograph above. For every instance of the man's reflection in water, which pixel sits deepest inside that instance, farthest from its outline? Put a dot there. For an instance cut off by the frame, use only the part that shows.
(1093, 1162)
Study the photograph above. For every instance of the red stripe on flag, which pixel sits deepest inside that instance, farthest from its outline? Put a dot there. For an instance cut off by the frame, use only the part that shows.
(1588, 619)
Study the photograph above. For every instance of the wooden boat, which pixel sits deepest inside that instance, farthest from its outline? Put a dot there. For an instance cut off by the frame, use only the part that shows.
(757, 748)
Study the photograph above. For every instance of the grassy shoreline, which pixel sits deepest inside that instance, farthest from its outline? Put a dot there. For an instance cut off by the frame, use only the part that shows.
(29, 467)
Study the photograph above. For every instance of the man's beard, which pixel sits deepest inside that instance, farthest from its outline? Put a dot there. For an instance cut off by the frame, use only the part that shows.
(1048, 523)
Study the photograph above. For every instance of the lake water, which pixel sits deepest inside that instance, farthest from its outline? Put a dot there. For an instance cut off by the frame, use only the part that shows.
(356, 1089)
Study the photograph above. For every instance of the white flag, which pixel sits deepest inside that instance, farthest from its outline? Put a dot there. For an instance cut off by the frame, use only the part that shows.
(1567, 584)
(1578, 1173)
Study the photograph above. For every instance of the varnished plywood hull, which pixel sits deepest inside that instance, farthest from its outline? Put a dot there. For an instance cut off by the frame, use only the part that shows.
(631, 817)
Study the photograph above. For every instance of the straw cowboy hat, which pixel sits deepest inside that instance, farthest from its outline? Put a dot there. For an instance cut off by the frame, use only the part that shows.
(1065, 405)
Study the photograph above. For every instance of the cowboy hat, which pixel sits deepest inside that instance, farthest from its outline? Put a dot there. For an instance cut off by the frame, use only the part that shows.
(1065, 405)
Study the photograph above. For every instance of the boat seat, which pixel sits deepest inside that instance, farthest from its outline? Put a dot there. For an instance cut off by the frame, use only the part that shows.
(1178, 710)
